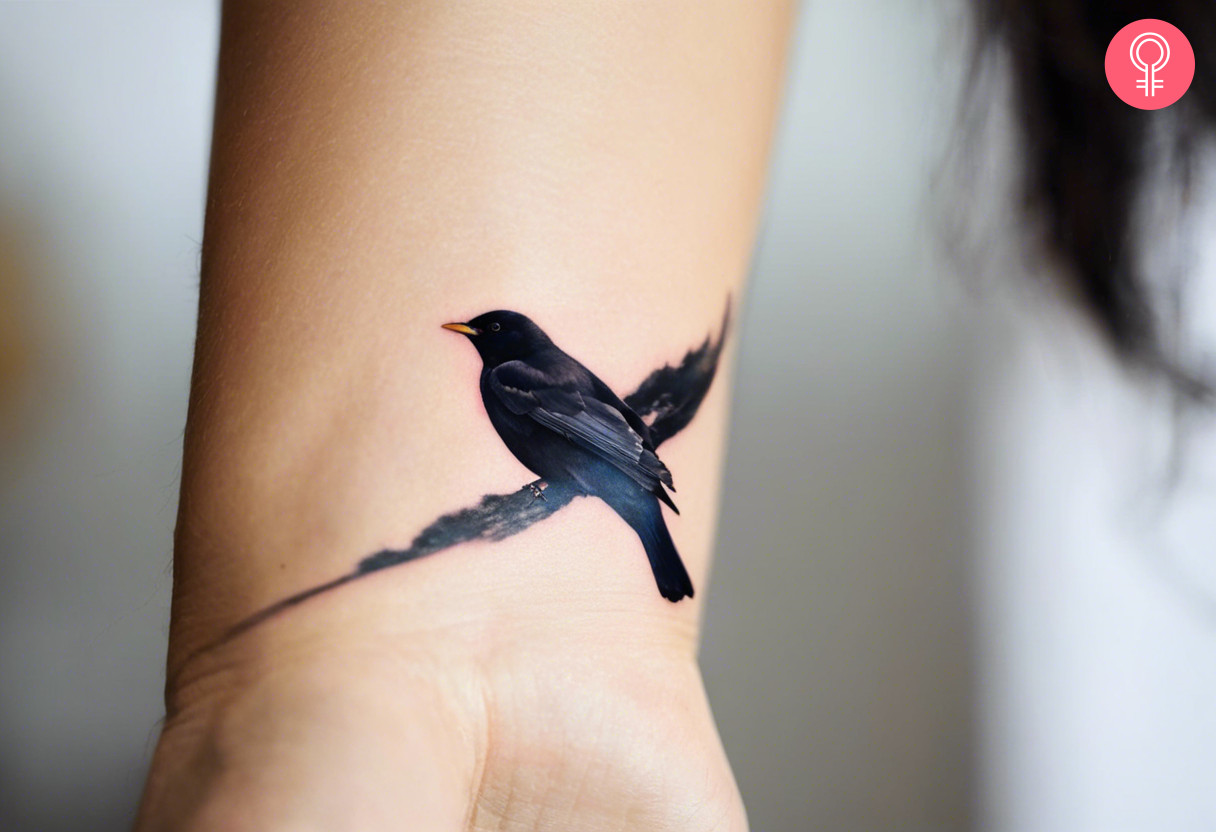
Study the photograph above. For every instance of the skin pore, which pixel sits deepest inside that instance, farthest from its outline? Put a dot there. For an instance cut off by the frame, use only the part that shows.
(379, 169)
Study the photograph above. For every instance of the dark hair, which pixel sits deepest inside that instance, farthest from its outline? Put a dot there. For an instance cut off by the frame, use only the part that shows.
(1084, 151)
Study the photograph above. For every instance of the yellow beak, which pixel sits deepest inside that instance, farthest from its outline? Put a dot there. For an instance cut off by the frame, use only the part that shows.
(463, 329)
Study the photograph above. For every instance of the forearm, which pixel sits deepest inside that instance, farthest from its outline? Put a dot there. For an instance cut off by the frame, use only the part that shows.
(598, 168)
(380, 169)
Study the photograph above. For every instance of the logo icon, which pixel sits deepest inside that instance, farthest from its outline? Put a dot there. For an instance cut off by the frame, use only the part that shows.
(1150, 64)
(1150, 83)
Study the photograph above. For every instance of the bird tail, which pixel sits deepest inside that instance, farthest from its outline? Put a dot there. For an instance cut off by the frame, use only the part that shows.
(669, 572)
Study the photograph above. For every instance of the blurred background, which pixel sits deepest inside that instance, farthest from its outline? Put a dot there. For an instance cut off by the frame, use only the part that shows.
(935, 606)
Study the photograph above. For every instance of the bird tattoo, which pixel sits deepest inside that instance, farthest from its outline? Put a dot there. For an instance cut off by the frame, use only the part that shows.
(568, 427)
(670, 396)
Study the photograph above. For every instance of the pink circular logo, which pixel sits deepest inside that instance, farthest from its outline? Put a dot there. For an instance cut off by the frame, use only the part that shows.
(1150, 64)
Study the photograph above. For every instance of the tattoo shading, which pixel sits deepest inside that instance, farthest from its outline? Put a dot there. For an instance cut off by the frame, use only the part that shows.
(570, 429)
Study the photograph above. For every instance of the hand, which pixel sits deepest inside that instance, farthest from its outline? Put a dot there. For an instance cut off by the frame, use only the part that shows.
(332, 719)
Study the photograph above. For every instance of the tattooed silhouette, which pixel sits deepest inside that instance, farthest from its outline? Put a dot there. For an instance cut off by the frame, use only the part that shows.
(566, 425)
(604, 447)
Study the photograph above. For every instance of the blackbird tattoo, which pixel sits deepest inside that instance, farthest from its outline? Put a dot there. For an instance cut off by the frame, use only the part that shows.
(568, 427)
(574, 433)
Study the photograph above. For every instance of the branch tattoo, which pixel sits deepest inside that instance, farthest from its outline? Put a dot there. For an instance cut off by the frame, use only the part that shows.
(571, 430)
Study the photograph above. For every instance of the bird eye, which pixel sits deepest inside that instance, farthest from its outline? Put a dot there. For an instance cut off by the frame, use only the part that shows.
(495, 327)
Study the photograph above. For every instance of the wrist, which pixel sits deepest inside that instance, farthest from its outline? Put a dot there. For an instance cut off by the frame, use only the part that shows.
(366, 672)
(331, 734)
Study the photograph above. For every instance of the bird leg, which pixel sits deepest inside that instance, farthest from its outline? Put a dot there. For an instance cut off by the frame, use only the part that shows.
(538, 488)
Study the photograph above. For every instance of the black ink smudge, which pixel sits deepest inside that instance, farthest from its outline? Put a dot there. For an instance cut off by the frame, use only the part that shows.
(667, 400)
(670, 396)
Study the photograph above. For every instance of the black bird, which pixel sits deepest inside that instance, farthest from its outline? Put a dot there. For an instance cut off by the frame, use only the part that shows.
(573, 432)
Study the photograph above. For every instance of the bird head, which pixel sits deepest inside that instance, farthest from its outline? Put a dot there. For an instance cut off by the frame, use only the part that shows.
(502, 336)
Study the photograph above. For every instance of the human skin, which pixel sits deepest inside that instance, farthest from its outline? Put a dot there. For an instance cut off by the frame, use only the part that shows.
(380, 169)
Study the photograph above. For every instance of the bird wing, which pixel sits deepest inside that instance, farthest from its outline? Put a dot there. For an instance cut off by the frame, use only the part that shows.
(585, 420)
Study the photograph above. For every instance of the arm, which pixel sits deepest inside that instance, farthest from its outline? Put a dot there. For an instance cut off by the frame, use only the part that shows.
(379, 169)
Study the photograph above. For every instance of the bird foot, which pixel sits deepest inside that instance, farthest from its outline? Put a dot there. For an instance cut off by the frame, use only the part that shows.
(538, 488)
